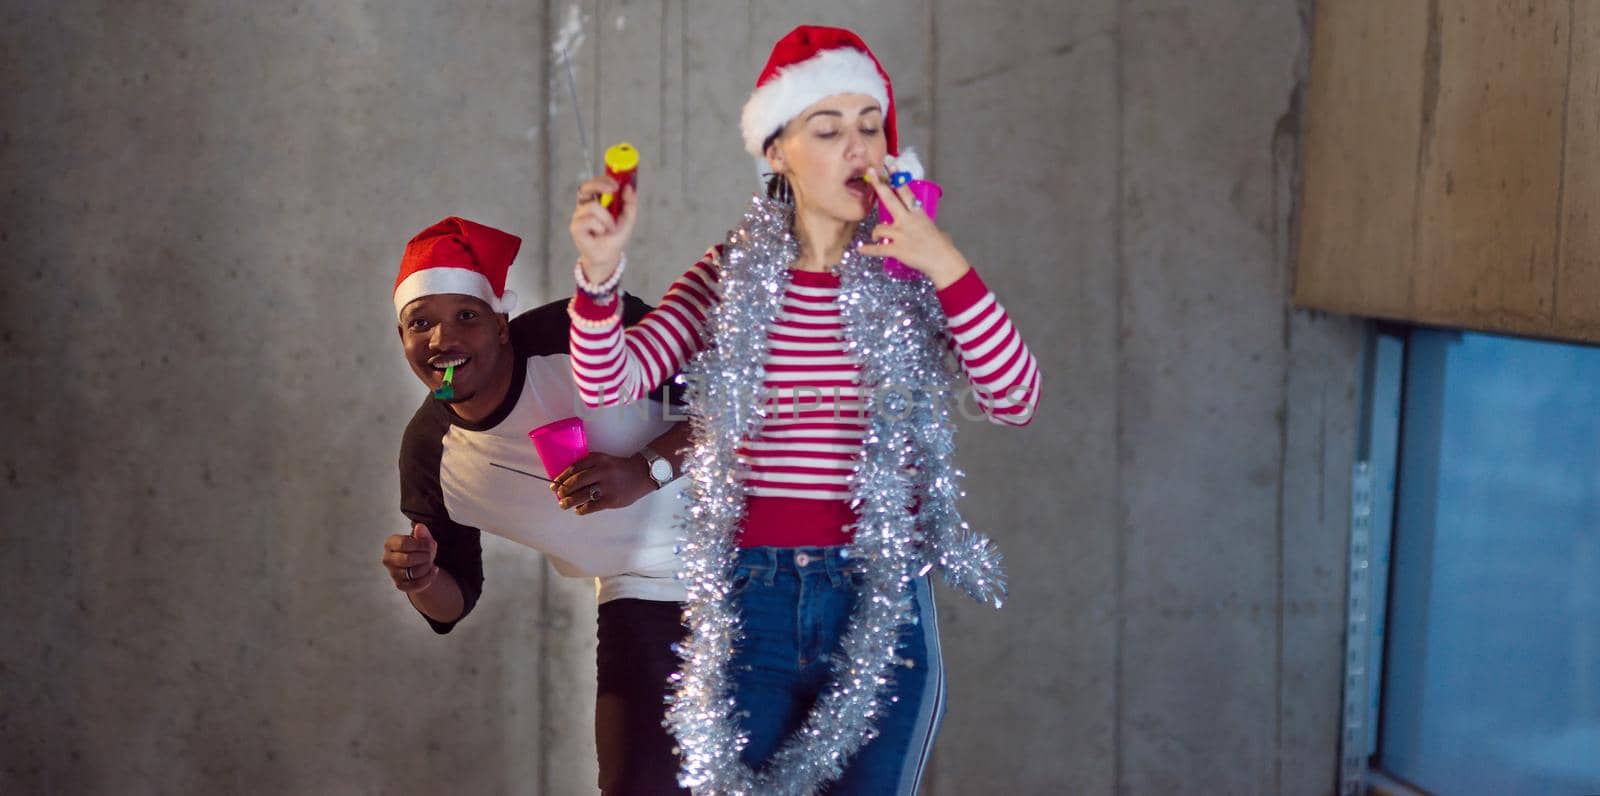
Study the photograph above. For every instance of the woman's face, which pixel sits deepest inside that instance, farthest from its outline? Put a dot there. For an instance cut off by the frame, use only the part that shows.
(825, 150)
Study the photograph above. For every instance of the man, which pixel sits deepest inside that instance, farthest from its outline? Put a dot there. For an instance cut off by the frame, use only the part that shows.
(466, 463)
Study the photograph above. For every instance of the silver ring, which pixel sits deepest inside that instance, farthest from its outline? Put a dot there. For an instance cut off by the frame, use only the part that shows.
(594, 494)
(408, 573)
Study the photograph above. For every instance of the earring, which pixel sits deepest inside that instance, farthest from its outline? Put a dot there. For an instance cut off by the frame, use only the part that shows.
(779, 189)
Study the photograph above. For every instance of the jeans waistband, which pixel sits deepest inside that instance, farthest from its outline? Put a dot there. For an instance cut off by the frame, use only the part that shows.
(765, 562)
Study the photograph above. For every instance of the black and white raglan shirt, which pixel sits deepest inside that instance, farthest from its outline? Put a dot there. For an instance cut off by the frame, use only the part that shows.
(447, 481)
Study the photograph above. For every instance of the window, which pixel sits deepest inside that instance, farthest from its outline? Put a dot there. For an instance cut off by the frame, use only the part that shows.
(1474, 660)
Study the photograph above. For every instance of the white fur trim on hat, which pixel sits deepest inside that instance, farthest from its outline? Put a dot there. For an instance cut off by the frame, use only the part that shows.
(465, 281)
(843, 70)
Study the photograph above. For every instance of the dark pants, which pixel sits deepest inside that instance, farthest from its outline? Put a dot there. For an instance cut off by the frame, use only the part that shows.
(634, 660)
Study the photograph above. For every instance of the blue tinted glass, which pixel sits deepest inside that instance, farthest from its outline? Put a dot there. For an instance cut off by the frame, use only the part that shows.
(1492, 672)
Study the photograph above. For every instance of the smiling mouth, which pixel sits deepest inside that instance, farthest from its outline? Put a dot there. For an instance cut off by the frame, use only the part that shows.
(442, 364)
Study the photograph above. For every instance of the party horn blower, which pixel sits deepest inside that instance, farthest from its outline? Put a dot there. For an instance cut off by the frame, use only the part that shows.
(925, 191)
(622, 164)
(447, 389)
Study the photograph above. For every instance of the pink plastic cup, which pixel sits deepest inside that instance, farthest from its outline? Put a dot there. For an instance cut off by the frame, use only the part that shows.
(927, 192)
(559, 444)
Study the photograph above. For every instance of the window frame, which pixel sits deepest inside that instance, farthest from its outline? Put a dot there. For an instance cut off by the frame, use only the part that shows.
(1374, 509)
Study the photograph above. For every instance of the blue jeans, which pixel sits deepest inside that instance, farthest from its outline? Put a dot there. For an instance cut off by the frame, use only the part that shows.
(796, 603)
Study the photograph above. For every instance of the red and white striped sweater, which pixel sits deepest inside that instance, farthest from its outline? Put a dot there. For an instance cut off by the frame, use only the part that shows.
(796, 468)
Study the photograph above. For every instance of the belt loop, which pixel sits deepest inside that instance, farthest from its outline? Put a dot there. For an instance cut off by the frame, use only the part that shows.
(769, 568)
(836, 567)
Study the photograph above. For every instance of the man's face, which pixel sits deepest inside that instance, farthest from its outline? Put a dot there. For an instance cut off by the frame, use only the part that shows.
(452, 329)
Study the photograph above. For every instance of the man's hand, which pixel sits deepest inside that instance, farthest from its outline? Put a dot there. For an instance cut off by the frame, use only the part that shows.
(409, 559)
(599, 481)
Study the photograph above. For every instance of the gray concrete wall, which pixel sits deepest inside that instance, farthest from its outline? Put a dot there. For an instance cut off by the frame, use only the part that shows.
(204, 206)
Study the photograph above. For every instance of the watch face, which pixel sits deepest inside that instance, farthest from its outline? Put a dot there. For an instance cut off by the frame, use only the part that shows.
(661, 470)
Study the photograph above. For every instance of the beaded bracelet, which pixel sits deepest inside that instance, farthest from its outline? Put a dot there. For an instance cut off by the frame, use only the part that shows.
(603, 290)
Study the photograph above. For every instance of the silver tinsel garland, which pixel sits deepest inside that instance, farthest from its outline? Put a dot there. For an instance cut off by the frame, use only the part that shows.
(896, 331)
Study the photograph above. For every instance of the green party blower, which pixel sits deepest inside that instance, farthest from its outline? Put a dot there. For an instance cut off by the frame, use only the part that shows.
(447, 390)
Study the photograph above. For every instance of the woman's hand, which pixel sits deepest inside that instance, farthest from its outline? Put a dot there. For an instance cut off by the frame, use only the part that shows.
(409, 559)
(913, 238)
(598, 481)
(599, 237)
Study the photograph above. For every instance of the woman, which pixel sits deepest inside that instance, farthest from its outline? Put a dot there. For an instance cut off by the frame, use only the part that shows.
(820, 482)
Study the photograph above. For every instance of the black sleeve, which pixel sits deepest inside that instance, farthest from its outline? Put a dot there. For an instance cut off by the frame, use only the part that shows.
(422, 500)
(545, 330)
(542, 331)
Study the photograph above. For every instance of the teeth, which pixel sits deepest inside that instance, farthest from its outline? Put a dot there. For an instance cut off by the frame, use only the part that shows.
(449, 363)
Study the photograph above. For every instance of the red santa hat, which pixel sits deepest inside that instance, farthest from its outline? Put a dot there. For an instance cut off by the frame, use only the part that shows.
(807, 65)
(458, 256)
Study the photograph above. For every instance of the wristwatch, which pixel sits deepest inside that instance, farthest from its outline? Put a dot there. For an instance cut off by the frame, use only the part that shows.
(660, 469)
